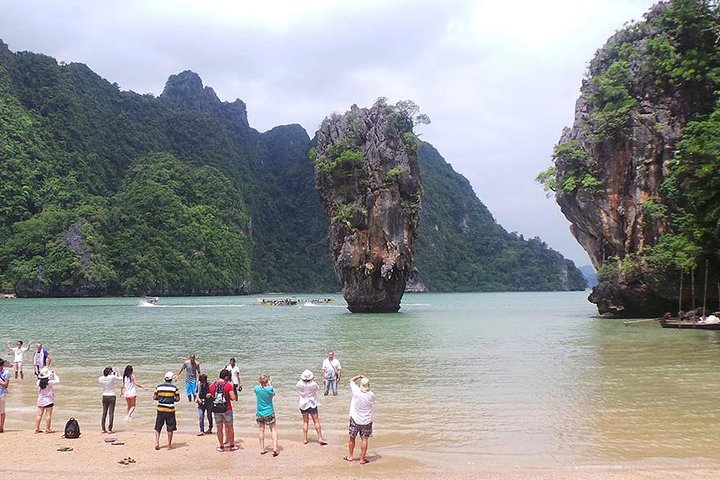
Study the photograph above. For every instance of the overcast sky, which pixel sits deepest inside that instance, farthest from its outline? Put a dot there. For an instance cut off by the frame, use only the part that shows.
(498, 79)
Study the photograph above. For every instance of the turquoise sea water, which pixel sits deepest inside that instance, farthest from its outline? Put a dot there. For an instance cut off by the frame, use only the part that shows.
(530, 379)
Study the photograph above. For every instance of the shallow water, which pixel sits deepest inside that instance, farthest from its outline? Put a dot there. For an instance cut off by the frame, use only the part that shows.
(528, 379)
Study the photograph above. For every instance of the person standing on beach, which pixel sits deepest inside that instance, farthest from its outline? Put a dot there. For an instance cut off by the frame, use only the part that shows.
(222, 394)
(234, 375)
(46, 398)
(18, 350)
(332, 372)
(361, 417)
(192, 371)
(166, 395)
(265, 412)
(204, 403)
(41, 359)
(4, 384)
(107, 382)
(129, 391)
(307, 389)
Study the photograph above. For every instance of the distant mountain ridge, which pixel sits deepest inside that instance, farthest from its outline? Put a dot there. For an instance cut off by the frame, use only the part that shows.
(108, 192)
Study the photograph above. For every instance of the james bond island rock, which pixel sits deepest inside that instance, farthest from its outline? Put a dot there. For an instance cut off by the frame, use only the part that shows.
(638, 173)
(369, 183)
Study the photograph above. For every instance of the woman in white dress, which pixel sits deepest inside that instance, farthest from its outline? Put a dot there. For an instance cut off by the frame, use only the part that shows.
(129, 391)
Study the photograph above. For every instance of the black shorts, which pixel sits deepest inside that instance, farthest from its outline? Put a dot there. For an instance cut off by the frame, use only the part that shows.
(165, 418)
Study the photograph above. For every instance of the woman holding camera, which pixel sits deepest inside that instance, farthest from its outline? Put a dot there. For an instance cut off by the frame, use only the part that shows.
(46, 398)
(107, 382)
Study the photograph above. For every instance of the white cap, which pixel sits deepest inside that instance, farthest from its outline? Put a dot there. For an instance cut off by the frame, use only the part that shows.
(169, 375)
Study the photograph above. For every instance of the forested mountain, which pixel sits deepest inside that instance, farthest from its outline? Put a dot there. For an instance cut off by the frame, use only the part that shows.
(636, 173)
(104, 191)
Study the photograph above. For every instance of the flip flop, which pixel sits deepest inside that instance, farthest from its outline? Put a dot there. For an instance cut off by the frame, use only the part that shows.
(348, 459)
(323, 442)
(263, 452)
(110, 439)
(65, 449)
(233, 448)
(220, 449)
(157, 447)
(117, 443)
(363, 462)
(275, 453)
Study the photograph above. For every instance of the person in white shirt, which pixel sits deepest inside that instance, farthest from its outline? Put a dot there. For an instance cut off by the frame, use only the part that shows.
(47, 380)
(332, 372)
(107, 382)
(18, 351)
(361, 416)
(234, 375)
(307, 389)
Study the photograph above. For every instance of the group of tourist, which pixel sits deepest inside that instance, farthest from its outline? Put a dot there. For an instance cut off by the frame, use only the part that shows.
(214, 400)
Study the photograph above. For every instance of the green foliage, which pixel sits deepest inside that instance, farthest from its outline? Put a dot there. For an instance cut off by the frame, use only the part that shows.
(462, 248)
(612, 101)
(609, 270)
(395, 174)
(672, 253)
(653, 210)
(547, 178)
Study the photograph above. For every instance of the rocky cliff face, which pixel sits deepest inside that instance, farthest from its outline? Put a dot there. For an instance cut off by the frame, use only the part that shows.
(369, 183)
(610, 166)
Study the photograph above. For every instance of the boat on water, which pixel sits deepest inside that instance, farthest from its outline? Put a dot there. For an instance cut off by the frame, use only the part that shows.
(290, 302)
(149, 301)
(7, 295)
(711, 322)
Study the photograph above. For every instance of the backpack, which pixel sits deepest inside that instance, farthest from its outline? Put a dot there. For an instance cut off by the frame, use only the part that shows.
(220, 402)
(72, 429)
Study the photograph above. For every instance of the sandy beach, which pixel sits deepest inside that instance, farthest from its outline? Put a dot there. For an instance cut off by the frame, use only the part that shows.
(31, 456)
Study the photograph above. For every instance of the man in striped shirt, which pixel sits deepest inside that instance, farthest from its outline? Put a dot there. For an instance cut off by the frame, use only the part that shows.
(166, 395)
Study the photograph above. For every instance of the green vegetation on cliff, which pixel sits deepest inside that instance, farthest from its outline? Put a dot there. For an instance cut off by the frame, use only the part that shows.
(110, 192)
(646, 131)
(462, 248)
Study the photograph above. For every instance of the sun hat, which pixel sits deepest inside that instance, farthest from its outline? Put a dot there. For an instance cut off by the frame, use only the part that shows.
(169, 375)
(364, 384)
(307, 375)
(44, 373)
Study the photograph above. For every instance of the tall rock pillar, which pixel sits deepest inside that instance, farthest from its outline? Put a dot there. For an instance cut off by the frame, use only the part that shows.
(369, 183)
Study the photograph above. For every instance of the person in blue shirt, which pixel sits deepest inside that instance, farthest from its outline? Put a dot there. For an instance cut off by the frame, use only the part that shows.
(4, 383)
(265, 412)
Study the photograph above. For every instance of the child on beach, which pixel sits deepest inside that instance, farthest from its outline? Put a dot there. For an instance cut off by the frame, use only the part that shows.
(265, 412)
(46, 398)
(18, 351)
(129, 391)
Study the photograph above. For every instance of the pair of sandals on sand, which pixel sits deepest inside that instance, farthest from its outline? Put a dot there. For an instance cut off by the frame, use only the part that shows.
(275, 453)
(127, 461)
(227, 448)
(350, 459)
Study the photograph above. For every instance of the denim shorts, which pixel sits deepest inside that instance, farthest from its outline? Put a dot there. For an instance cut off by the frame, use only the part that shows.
(365, 431)
(269, 420)
(225, 417)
